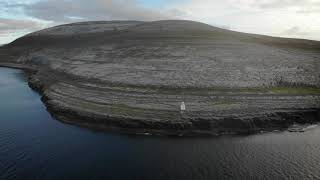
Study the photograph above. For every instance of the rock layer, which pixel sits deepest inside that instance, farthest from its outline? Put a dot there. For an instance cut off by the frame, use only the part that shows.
(134, 75)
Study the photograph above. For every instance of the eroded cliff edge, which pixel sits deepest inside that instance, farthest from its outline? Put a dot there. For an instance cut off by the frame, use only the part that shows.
(132, 76)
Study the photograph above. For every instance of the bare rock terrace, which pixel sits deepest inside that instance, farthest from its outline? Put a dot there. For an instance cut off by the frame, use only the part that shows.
(132, 76)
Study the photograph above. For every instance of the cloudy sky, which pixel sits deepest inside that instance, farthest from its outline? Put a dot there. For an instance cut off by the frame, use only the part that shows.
(287, 18)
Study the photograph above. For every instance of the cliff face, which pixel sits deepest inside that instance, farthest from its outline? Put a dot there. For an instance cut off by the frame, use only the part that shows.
(135, 75)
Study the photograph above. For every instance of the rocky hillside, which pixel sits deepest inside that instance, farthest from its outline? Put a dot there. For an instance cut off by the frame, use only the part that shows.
(135, 75)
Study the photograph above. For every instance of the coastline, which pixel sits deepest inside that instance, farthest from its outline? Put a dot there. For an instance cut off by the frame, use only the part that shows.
(275, 120)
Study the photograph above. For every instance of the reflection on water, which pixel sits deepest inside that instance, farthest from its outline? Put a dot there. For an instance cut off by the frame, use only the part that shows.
(35, 146)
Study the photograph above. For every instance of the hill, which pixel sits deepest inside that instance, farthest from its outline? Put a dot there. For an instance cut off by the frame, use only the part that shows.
(134, 75)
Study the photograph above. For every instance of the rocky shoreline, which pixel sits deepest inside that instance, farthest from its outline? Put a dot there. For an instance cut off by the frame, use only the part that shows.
(121, 84)
(271, 121)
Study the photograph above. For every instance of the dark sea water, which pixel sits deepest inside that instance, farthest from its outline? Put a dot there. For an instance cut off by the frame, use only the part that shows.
(35, 146)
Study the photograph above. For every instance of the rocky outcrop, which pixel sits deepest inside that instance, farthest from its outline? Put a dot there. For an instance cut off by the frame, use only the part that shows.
(133, 76)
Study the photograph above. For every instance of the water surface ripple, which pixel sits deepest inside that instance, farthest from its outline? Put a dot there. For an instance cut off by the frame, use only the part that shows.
(35, 146)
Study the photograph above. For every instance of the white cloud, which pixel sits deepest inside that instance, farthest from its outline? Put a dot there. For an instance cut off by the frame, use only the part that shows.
(294, 31)
(270, 17)
(277, 4)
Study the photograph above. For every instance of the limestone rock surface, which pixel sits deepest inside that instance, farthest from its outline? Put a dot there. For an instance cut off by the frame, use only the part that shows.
(134, 75)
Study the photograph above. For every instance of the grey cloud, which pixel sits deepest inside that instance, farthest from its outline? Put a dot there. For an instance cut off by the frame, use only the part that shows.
(18, 25)
(294, 31)
(71, 10)
(12, 28)
(177, 13)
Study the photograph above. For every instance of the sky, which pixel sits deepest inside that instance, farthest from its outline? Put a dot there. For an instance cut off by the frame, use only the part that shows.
(285, 18)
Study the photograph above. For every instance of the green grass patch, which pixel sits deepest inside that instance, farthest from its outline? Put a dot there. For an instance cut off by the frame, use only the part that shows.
(295, 90)
(258, 90)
